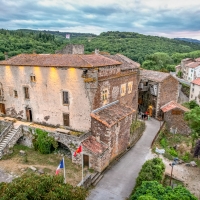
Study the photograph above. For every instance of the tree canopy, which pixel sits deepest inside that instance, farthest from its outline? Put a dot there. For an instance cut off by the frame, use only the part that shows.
(32, 186)
(152, 190)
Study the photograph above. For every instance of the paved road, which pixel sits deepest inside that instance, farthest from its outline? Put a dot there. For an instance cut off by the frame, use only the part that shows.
(119, 181)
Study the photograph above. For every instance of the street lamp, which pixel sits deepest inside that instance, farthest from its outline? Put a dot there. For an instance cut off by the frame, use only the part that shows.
(172, 165)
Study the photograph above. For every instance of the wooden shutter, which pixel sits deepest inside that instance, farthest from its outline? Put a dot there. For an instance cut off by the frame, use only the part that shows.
(66, 119)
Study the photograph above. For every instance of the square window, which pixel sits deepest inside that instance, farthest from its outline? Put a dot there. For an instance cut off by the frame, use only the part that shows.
(26, 93)
(65, 97)
(33, 79)
(65, 119)
(15, 94)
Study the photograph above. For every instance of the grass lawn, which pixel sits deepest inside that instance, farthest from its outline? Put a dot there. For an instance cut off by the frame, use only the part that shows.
(48, 162)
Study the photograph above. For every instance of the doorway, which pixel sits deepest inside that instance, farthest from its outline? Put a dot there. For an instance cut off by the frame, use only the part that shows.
(29, 115)
(86, 160)
(2, 108)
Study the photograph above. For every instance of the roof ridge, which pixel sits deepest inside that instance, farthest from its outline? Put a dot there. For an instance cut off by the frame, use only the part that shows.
(79, 55)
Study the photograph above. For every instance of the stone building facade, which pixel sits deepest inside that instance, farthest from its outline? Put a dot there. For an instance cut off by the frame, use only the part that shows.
(174, 118)
(156, 89)
(71, 92)
(195, 91)
(71, 49)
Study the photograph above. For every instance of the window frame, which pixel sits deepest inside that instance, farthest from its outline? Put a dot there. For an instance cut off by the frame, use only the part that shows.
(65, 101)
(123, 90)
(15, 93)
(26, 91)
(32, 78)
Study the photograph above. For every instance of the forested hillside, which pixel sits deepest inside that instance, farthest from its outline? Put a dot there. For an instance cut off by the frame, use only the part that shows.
(136, 46)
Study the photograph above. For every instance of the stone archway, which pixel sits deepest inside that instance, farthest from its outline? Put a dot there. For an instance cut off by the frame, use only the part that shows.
(65, 150)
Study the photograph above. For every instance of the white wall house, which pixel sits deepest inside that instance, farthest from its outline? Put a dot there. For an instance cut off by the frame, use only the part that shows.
(193, 71)
(195, 90)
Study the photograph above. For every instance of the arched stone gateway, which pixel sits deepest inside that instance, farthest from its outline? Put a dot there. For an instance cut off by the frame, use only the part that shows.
(63, 149)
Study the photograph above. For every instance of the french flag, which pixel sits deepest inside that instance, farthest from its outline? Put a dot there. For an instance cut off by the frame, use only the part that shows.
(60, 166)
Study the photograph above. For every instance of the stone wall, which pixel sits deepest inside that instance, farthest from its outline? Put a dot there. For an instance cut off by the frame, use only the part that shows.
(168, 90)
(46, 95)
(72, 49)
(113, 85)
(177, 121)
(117, 137)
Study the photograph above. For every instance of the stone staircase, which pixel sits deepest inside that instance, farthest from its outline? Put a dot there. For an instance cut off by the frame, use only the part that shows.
(9, 139)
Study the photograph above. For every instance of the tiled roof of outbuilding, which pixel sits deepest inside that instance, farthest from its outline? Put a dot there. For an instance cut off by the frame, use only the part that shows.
(127, 63)
(171, 105)
(96, 147)
(60, 60)
(110, 115)
(197, 59)
(196, 81)
(154, 75)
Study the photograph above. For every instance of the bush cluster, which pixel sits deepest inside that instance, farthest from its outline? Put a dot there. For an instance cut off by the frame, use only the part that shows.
(43, 187)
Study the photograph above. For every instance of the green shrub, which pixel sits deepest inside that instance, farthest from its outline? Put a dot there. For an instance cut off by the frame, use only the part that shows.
(44, 143)
(163, 142)
(151, 190)
(173, 152)
(43, 187)
(186, 157)
(152, 170)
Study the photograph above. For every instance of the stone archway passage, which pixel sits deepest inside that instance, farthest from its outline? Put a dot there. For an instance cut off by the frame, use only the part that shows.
(63, 149)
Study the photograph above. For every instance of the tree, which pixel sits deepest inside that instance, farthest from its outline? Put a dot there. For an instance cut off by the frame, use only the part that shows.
(151, 190)
(193, 118)
(43, 187)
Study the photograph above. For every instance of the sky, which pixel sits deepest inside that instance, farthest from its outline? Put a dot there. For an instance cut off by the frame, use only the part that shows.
(168, 18)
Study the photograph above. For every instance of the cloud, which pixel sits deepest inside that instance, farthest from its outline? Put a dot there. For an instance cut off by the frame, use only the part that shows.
(157, 17)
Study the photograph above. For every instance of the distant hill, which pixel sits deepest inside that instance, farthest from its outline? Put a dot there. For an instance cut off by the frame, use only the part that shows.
(188, 40)
(58, 33)
(134, 45)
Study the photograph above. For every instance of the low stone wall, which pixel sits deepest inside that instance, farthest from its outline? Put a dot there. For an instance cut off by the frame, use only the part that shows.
(135, 136)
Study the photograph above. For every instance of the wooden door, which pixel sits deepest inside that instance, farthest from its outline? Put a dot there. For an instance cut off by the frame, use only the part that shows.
(65, 119)
(86, 160)
(2, 108)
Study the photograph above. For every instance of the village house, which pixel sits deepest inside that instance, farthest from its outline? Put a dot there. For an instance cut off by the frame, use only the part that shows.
(190, 68)
(195, 91)
(173, 115)
(83, 93)
(155, 90)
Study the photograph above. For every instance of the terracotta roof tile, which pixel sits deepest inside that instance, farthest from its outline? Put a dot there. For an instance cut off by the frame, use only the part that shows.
(112, 114)
(59, 60)
(196, 81)
(171, 105)
(154, 75)
(193, 64)
(197, 59)
(96, 147)
(127, 63)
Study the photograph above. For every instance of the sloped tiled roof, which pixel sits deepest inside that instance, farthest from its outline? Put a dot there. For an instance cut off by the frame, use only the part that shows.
(193, 64)
(60, 60)
(112, 114)
(197, 59)
(171, 105)
(196, 81)
(154, 75)
(127, 63)
(95, 147)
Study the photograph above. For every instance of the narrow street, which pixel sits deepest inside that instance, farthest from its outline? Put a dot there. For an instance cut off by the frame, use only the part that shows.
(118, 182)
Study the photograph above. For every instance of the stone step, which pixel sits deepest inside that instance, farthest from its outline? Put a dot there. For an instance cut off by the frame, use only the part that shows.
(97, 180)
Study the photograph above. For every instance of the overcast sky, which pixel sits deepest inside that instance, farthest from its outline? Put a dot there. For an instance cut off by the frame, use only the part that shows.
(170, 18)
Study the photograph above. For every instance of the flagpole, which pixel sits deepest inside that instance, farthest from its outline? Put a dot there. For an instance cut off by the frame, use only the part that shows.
(82, 167)
(64, 170)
